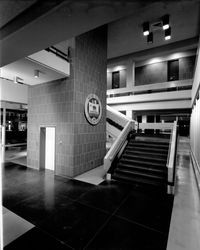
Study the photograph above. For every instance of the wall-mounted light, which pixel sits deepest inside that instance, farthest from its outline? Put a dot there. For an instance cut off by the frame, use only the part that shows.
(165, 22)
(150, 37)
(146, 28)
(18, 80)
(36, 73)
(168, 34)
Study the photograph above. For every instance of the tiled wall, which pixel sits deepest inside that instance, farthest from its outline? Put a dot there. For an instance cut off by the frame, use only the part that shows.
(90, 77)
(79, 146)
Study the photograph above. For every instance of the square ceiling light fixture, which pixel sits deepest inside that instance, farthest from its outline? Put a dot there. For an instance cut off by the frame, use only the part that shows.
(146, 29)
(165, 22)
(168, 34)
(161, 24)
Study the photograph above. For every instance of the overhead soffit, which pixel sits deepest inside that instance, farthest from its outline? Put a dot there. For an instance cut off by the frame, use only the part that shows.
(24, 69)
(10, 9)
(65, 20)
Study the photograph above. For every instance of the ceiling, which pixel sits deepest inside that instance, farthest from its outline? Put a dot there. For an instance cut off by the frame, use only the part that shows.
(125, 35)
(11, 9)
(61, 20)
(41, 25)
(24, 69)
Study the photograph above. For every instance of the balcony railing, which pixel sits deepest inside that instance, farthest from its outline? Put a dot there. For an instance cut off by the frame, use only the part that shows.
(151, 88)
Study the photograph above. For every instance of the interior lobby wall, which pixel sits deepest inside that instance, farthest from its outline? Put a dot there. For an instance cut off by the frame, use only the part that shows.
(158, 72)
(195, 116)
(13, 92)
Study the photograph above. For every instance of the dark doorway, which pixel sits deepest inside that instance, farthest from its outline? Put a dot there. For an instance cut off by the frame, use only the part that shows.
(115, 80)
(173, 70)
(184, 126)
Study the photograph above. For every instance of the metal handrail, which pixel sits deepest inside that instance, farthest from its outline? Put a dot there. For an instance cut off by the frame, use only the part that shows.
(171, 162)
(16, 144)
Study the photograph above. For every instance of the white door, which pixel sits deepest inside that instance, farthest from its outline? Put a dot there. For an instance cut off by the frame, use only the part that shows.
(50, 148)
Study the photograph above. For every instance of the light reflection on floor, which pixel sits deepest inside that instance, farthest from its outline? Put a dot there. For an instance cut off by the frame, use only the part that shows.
(185, 222)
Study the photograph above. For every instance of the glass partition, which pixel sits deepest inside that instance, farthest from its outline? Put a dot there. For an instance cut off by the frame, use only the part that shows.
(16, 126)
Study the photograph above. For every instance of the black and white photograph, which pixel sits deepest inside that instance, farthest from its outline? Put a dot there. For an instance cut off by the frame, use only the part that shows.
(100, 124)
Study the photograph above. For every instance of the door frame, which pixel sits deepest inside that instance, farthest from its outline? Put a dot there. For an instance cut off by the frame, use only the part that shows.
(40, 145)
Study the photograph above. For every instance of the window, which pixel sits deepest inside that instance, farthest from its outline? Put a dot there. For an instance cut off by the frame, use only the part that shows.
(173, 70)
(115, 80)
(158, 118)
(150, 118)
(139, 118)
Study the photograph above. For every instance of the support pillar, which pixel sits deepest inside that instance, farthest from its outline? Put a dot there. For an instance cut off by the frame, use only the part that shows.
(80, 146)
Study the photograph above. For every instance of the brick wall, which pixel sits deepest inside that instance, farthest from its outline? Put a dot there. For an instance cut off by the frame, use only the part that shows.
(79, 146)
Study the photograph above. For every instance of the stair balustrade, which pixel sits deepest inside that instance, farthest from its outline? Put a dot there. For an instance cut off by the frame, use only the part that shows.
(171, 160)
(117, 145)
(123, 128)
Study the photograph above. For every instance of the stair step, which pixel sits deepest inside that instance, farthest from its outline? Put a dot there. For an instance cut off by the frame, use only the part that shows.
(143, 135)
(161, 172)
(150, 142)
(143, 157)
(139, 152)
(148, 149)
(141, 163)
(140, 174)
(135, 180)
(147, 145)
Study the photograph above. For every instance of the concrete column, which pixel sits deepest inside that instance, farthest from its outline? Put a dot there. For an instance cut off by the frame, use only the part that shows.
(133, 73)
(129, 113)
(144, 119)
(130, 74)
(79, 145)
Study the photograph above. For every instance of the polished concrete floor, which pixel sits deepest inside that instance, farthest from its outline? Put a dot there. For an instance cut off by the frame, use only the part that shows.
(70, 214)
(185, 223)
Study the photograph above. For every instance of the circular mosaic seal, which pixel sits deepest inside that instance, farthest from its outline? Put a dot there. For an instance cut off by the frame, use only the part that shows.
(93, 109)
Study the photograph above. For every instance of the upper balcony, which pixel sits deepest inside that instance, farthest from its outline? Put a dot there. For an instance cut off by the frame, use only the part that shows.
(173, 94)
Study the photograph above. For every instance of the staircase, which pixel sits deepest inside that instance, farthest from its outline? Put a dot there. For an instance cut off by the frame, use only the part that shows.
(143, 161)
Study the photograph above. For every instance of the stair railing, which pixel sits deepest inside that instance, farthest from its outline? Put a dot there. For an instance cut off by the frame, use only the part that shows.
(171, 161)
(115, 122)
(117, 117)
(117, 145)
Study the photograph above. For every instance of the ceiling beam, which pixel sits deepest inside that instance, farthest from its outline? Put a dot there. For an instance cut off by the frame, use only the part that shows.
(62, 22)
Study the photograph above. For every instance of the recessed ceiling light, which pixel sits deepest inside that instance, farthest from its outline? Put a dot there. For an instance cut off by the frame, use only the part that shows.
(168, 34)
(165, 20)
